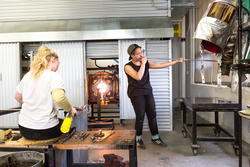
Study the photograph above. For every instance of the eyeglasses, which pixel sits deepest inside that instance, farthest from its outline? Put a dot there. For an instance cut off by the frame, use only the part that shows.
(141, 52)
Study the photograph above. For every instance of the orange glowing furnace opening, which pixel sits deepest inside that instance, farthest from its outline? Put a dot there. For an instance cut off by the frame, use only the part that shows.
(103, 86)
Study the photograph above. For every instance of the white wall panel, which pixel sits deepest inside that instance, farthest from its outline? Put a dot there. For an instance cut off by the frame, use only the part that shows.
(126, 109)
(161, 81)
(16, 10)
(106, 49)
(71, 56)
(9, 78)
(72, 70)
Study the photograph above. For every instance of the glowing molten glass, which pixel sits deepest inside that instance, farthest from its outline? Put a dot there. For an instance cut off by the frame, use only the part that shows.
(102, 87)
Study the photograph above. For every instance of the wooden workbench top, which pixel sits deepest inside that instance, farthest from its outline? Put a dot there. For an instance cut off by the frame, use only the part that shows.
(121, 139)
(25, 143)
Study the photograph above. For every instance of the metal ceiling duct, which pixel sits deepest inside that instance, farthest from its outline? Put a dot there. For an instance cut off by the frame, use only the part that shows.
(90, 20)
(87, 29)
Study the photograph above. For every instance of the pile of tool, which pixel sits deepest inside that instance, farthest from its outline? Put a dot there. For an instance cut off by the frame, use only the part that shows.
(82, 136)
(5, 135)
(100, 136)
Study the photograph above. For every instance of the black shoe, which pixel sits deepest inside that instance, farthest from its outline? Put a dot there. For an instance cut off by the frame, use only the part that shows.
(159, 142)
(140, 144)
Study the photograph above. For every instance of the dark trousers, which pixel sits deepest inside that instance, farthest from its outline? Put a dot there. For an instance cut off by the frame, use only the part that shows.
(43, 134)
(145, 104)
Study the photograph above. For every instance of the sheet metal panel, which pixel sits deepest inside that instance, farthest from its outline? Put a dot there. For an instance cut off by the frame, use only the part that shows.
(9, 79)
(161, 81)
(16, 10)
(126, 109)
(105, 49)
(71, 69)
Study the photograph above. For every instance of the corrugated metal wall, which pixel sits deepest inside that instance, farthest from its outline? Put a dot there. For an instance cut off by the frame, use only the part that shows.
(9, 78)
(16, 10)
(105, 49)
(126, 109)
(161, 81)
(71, 56)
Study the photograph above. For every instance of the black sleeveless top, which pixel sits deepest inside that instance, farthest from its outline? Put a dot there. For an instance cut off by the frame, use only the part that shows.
(141, 87)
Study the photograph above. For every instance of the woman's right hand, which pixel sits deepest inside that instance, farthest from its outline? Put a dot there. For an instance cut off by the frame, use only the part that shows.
(180, 60)
(144, 60)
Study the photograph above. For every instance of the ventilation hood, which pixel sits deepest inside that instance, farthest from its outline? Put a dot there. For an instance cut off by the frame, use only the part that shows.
(87, 29)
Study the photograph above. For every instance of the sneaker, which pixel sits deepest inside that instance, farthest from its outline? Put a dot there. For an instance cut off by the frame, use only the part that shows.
(140, 144)
(159, 142)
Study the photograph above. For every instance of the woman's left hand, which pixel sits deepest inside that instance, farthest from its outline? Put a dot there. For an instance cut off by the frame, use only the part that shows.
(74, 111)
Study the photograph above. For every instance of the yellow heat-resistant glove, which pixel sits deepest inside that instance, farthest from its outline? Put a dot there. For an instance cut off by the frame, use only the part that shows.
(61, 100)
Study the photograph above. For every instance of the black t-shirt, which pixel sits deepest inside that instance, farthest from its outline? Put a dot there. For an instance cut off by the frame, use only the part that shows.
(141, 87)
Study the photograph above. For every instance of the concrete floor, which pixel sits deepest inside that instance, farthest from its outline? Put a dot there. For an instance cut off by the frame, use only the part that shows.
(179, 152)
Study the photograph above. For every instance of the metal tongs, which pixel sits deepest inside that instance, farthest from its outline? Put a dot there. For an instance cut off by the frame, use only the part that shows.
(81, 136)
(95, 139)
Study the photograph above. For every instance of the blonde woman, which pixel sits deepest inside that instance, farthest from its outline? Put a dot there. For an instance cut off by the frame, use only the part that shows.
(40, 92)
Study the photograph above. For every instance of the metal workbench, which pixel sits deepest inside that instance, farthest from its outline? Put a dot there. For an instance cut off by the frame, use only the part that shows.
(120, 140)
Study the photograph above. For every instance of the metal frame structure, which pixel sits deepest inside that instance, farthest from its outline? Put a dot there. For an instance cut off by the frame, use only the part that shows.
(132, 158)
(242, 69)
(212, 105)
(240, 80)
(123, 140)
